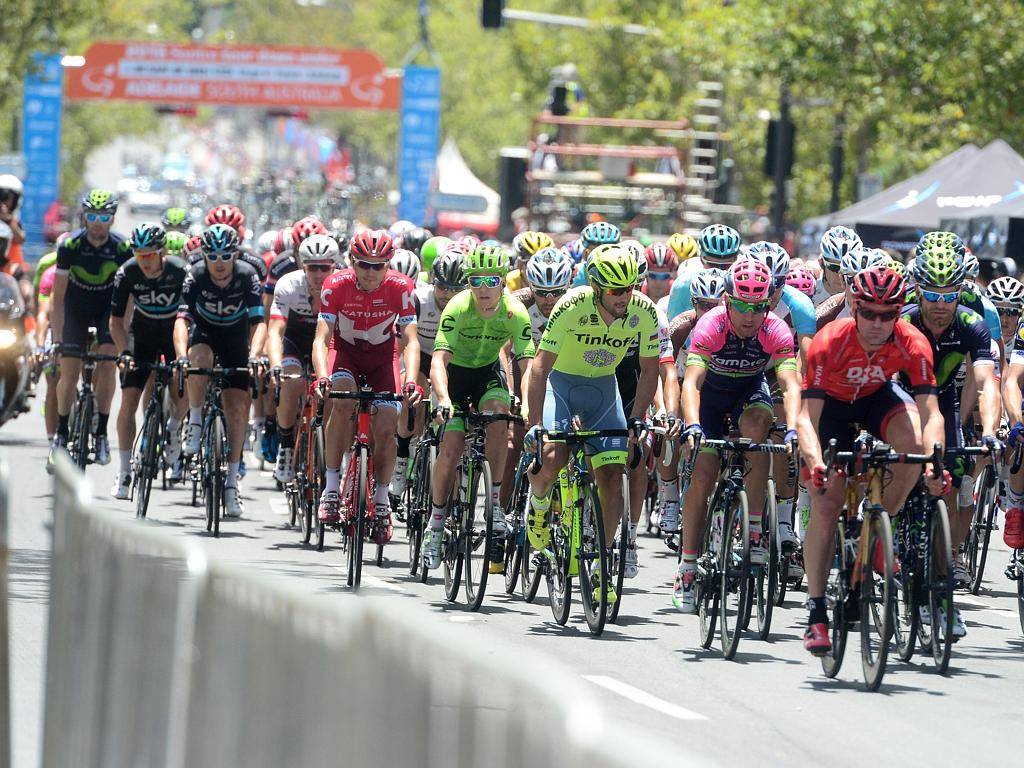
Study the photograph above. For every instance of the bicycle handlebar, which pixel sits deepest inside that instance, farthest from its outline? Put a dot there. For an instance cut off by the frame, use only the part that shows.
(579, 437)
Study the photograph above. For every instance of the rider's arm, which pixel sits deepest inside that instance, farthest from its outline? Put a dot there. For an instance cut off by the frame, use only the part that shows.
(790, 382)
(933, 426)
(181, 337)
(119, 333)
(693, 379)
(257, 337)
(60, 286)
(990, 408)
(807, 430)
(1012, 390)
(439, 376)
(536, 385)
(411, 353)
(645, 387)
(256, 316)
(275, 340)
(324, 329)
(42, 321)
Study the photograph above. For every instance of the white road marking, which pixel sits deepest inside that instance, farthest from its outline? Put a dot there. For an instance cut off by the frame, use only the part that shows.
(638, 696)
(461, 618)
(266, 473)
(973, 601)
(278, 506)
(372, 581)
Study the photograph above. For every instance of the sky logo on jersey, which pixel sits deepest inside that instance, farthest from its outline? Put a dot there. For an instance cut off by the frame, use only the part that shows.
(158, 299)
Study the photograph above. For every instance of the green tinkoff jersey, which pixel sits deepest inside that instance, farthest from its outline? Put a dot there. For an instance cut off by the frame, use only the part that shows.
(474, 341)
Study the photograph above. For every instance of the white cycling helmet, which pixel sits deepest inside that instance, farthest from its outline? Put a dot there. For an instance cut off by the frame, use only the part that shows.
(319, 249)
(708, 284)
(639, 253)
(860, 259)
(548, 269)
(774, 257)
(971, 265)
(1006, 290)
(406, 262)
(265, 242)
(836, 243)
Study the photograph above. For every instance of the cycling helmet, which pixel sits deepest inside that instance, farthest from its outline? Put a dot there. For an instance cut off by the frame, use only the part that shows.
(343, 241)
(938, 264)
(406, 262)
(836, 243)
(148, 236)
(319, 249)
(227, 214)
(548, 269)
(879, 284)
(612, 266)
(774, 257)
(600, 233)
(175, 243)
(899, 266)
(12, 184)
(283, 241)
(101, 200)
(447, 269)
(971, 265)
(192, 245)
(749, 280)
(661, 258)
(941, 240)
(372, 245)
(469, 242)
(859, 259)
(708, 284)
(414, 239)
(718, 242)
(303, 228)
(265, 242)
(485, 258)
(431, 249)
(801, 278)
(639, 254)
(575, 249)
(684, 246)
(527, 243)
(1006, 290)
(400, 227)
(175, 218)
(220, 238)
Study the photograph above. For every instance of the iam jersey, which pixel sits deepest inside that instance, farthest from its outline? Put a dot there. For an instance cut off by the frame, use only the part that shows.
(216, 308)
(292, 304)
(156, 299)
(427, 317)
(838, 366)
(364, 321)
(731, 360)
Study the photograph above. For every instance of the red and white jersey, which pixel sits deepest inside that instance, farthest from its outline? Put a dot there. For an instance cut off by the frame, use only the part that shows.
(366, 320)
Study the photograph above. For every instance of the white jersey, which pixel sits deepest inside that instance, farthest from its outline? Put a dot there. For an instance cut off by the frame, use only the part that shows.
(427, 318)
(662, 304)
(537, 323)
(292, 304)
(821, 294)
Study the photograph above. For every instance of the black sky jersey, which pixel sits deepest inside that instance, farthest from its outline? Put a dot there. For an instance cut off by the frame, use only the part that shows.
(156, 299)
(213, 308)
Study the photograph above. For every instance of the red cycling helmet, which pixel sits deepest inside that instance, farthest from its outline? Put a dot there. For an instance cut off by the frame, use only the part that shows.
(227, 214)
(193, 244)
(303, 228)
(372, 245)
(880, 284)
(283, 241)
(661, 258)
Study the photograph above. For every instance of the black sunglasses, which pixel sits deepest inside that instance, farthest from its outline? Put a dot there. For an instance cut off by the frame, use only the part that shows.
(376, 266)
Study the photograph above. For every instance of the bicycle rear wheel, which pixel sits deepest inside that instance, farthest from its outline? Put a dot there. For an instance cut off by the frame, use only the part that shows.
(1018, 555)
(940, 586)
(708, 593)
(314, 484)
(216, 473)
(452, 542)
(515, 517)
(594, 568)
(355, 530)
(981, 527)
(558, 577)
(766, 577)
(532, 561)
(876, 597)
(618, 566)
(147, 461)
(417, 505)
(84, 431)
(478, 537)
(734, 571)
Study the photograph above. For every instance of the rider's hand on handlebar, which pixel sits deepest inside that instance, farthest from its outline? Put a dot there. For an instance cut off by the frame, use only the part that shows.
(443, 411)
(692, 436)
(937, 486)
(817, 475)
(413, 393)
(790, 439)
(532, 438)
(1015, 434)
(637, 428)
(673, 428)
(125, 361)
(994, 445)
(322, 386)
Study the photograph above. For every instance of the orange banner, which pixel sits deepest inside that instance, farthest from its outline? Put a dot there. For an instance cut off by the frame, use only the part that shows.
(301, 78)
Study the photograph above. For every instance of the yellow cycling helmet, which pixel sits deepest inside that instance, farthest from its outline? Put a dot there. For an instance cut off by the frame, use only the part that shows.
(528, 243)
(685, 246)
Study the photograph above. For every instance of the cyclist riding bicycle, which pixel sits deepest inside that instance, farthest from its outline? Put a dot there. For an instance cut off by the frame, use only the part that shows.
(591, 236)
(662, 265)
(175, 220)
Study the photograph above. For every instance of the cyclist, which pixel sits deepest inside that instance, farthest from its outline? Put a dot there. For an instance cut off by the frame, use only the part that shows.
(290, 333)
(719, 245)
(406, 262)
(153, 283)
(854, 261)
(591, 236)
(430, 250)
(730, 348)
(524, 246)
(834, 245)
(800, 277)
(360, 307)
(548, 277)
(466, 372)
(220, 318)
(82, 287)
(687, 250)
(414, 239)
(707, 291)
(588, 334)
(662, 265)
(848, 379)
(1007, 296)
(175, 220)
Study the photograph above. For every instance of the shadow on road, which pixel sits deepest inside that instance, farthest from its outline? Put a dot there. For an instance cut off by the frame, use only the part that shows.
(29, 575)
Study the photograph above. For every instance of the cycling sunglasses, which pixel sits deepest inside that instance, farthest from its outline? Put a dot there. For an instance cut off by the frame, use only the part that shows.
(222, 256)
(484, 281)
(447, 287)
(376, 266)
(886, 317)
(146, 253)
(945, 298)
(618, 291)
(749, 308)
(549, 293)
(659, 275)
(706, 304)
(1008, 311)
(103, 218)
(320, 267)
(833, 268)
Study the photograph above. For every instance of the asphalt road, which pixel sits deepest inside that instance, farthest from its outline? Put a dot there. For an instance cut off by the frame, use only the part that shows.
(771, 704)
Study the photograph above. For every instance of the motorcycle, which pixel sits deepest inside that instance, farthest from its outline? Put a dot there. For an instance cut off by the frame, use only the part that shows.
(15, 351)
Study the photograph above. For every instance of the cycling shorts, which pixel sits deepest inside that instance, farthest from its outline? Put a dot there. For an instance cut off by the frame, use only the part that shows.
(348, 364)
(78, 320)
(627, 374)
(472, 387)
(230, 350)
(958, 466)
(295, 355)
(871, 412)
(596, 402)
(716, 404)
(425, 358)
(149, 342)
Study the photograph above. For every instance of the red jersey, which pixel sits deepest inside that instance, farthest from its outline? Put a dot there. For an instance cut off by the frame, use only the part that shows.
(364, 321)
(838, 366)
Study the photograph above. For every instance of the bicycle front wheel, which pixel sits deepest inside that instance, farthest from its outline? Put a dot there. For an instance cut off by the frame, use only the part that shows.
(216, 473)
(734, 572)
(618, 569)
(515, 517)
(708, 594)
(981, 527)
(766, 577)
(837, 589)
(84, 432)
(356, 527)
(594, 569)
(558, 576)
(147, 460)
(452, 542)
(876, 596)
(940, 586)
(417, 505)
(478, 534)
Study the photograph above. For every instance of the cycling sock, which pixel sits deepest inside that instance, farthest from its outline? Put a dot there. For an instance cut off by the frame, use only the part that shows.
(287, 435)
(436, 517)
(817, 609)
(496, 494)
(380, 496)
(1015, 499)
(785, 507)
(542, 506)
(670, 489)
(755, 522)
(333, 481)
(126, 462)
(232, 478)
(270, 426)
(632, 533)
(195, 415)
(173, 424)
(688, 561)
(101, 423)
(403, 446)
(258, 422)
(62, 426)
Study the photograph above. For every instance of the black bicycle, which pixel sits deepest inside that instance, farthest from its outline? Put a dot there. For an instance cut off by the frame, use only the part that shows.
(519, 554)
(416, 499)
(82, 424)
(151, 442)
(986, 491)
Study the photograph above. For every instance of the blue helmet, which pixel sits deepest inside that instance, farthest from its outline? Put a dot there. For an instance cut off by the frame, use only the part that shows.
(600, 233)
(719, 241)
(148, 236)
(220, 238)
(575, 250)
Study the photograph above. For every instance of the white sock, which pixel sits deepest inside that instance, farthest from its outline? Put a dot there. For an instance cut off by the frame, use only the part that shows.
(1015, 499)
(126, 462)
(333, 481)
(173, 423)
(195, 415)
(380, 496)
(670, 489)
(232, 479)
(436, 517)
(496, 494)
(632, 533)
(785, 507)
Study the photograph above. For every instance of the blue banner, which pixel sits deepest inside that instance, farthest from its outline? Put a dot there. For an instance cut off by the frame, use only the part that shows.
(43, 104)
(417, 140)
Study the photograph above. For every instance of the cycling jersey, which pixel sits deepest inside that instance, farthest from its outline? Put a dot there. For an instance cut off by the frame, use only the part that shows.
(475, 341)
(427, 318)
(282, 264)
(293, 304)
(515, 280)
(538, 322)
(364, 321)
(156, 299)
(966, 335)
(972, 298)
(586, 345)
(44, 287)
(42, 267)
(839, 368)
(800, 309)
(731, 360)
(90, 268)
(217, 308)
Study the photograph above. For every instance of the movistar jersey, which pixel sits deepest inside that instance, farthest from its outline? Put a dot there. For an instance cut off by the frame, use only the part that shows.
(972, 298)
(475, 341)
(586, 345)
(966, 335)
(90, 268)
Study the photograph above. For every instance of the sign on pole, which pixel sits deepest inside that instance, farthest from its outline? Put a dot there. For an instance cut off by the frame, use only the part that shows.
(272, 76)
(419, 130)
(41, 141)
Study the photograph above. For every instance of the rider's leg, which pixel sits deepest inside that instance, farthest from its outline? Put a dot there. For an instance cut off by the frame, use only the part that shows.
(105, 381)
(496, 446)
(130, 397)
(340, 427)
(237, 402)
(609, 479)
(384, 423)
(755, 423)
(902, 430)
(67, 390)
(50, 405)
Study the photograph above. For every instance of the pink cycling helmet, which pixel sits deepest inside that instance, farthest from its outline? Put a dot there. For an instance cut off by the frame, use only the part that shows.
(801, 278)
(749, 280)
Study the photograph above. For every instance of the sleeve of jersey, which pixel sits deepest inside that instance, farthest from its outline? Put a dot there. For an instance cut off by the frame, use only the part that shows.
(921, 368)
(254, 301)
(279, 306)
(801, 309)
(781, 347)
(679, 330)
(705, 340)
(407, 299)
(817, 364)
(328, 312)
(522, 340)
(64, 260)
(981, 344)
(679, 298)
(557, 328)
(665, 349)
(119, 298)
(995, 330)
(188, 298)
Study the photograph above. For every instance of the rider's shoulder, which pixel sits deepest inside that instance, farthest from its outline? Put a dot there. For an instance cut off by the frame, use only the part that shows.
(641, 302)
(73, 241)
(572, 299)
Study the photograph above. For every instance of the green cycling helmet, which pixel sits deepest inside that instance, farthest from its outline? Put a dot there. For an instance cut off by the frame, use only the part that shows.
(175, 243)
(612, 266)
(942, 239)
(102, 200)
(485, 258)
(175, 217)
(939, 260)
(432, 248)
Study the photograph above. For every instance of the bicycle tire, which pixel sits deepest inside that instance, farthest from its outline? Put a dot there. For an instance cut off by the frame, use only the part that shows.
(294, 489)
(708, 594)
(906, 592)
(451, 542)
(767, 577)
(532, 570)
(782, 582)
(412, 498)
(314, 484)
(940, 585)
(559, 579)
(219, 471)
(618, 568)
(1018, 555)
(837, 589)
(594, 567)
(734, 574)
(515, 518)
(876, 598)
(477, 545)
(84, 432)
(146, 470)
(355, 531)
(980, 534)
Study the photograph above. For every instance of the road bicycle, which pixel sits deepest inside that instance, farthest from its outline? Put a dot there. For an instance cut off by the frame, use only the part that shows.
(519, 567)
(416, 499)
(303, 491)
(151, 442)
(82, 423)
(986, 493)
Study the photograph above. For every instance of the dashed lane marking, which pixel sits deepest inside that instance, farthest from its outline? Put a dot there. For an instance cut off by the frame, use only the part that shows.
(638, 696)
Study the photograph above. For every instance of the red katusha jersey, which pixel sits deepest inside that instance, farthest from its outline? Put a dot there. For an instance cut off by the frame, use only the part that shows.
(364, 321)
(838, 366)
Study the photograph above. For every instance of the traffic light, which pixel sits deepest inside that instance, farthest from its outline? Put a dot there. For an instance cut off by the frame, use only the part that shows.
(490, 16)
(165, 109)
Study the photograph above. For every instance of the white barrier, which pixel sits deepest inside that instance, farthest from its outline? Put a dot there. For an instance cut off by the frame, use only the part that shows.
(5, 626)
(157, 657)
